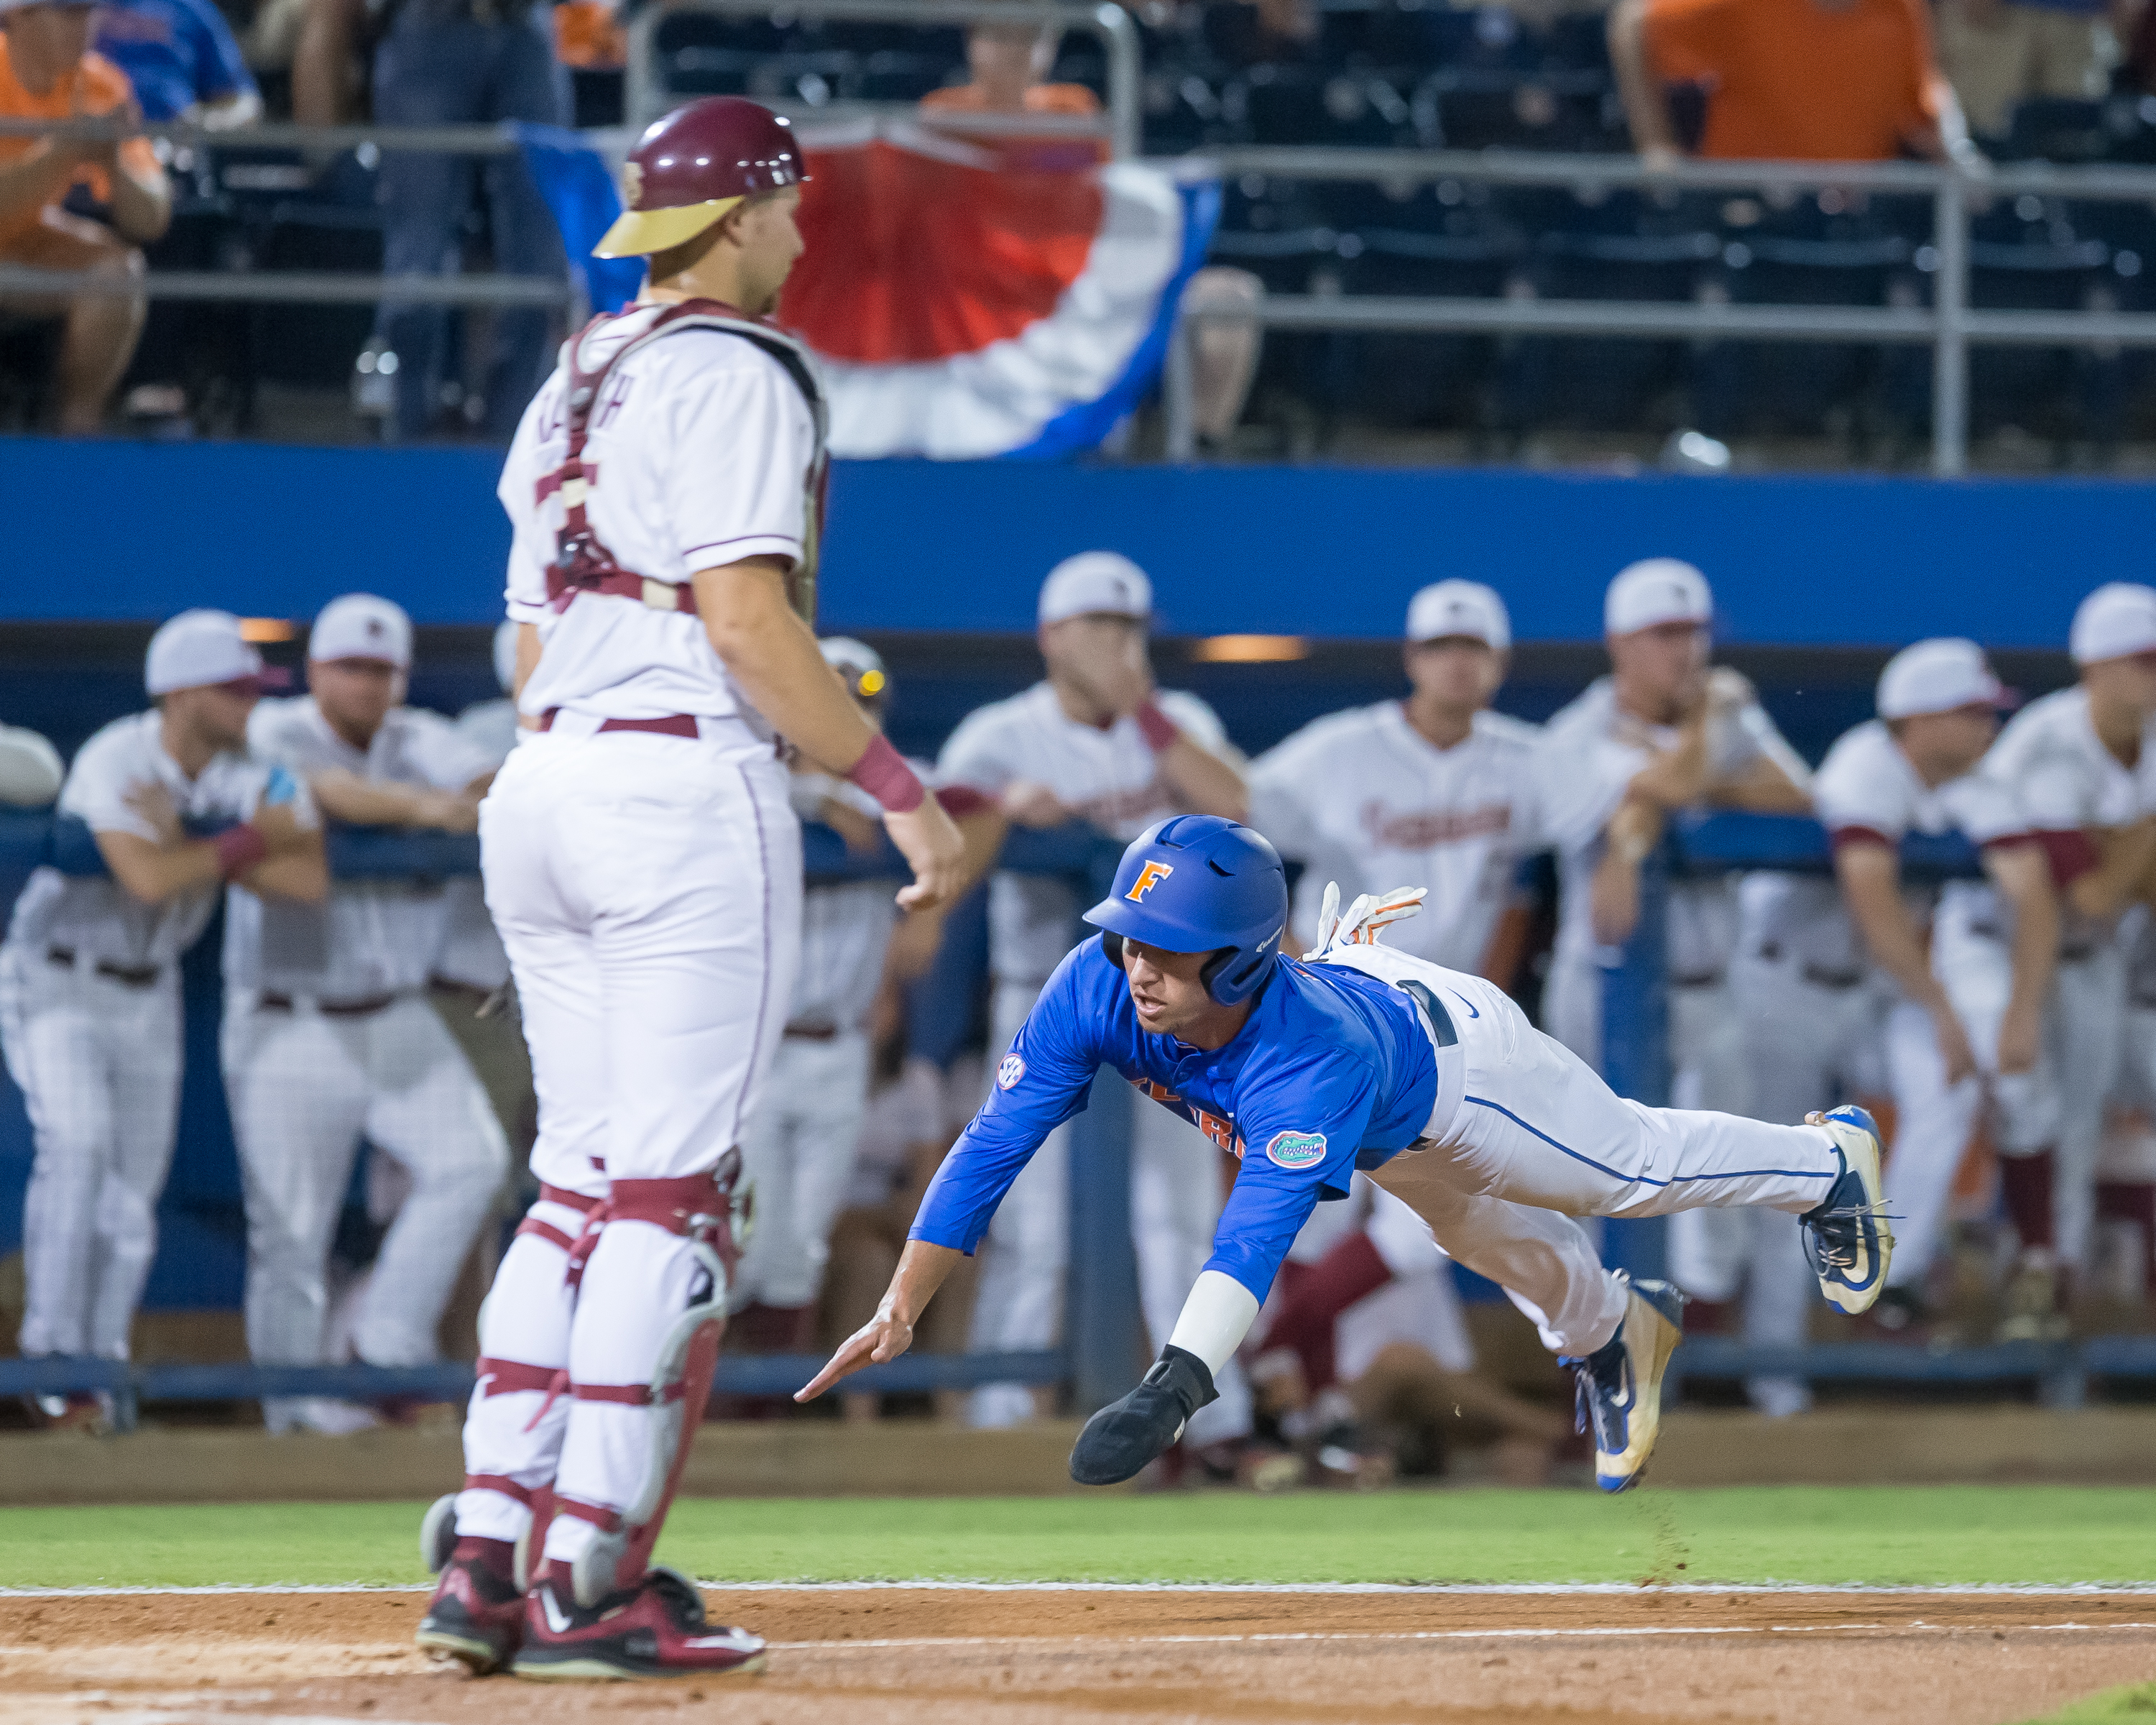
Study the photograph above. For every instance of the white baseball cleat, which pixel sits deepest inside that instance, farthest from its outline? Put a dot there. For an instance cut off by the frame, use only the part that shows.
(1619, 1394)
(1850, 1242)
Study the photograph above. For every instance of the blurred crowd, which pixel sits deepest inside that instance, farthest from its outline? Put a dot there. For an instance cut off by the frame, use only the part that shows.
(1814, 80)
(2001, 1016)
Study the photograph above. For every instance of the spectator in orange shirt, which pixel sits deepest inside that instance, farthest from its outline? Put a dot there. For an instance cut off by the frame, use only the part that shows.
(1803, 80)
(48, 72)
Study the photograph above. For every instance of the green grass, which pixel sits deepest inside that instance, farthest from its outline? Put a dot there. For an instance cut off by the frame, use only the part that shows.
(2136, 1700)
(1893, 1535)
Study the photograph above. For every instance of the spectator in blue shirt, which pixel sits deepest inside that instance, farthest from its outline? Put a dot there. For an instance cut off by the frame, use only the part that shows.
(182, 59)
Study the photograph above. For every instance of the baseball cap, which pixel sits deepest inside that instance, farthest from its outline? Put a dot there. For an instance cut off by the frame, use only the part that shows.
(504, 653)
(1655, 591)
(2117, 620)
(196, 648)
(361, 626)
(1096, 581)
(1936, 676)
(861, 665)
(1458, 608)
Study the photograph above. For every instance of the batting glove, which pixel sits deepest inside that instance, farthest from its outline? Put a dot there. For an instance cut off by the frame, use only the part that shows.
(1125, 1434)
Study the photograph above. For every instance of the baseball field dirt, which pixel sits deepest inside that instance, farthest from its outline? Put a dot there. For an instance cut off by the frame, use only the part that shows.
(956, 1655)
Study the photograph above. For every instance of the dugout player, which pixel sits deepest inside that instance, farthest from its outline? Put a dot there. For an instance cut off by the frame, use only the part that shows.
(1347, 1061)
(645, 869)
(328, 1034)
(1964, 1025)
(90, 990)
(1435, 791)
(1092, 741)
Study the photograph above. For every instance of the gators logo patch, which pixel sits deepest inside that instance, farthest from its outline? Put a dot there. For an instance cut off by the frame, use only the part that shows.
(1009, 1071)
(1295, 1150)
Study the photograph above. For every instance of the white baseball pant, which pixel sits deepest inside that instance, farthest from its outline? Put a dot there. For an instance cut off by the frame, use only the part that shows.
(2088, 1045)
(99, 1064)
(305, 1086)
(647, 890)
(798, 1154)
(1176, 1200)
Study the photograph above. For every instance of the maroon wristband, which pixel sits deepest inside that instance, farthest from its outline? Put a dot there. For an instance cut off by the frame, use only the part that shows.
(883, 773)
(1158, 729)
(238, 848)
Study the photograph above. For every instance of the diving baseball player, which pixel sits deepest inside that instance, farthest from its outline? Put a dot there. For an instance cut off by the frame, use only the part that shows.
(1430, 1080)
(2081, 765)
(1964, 1025)
(643, 866)
(89, 993)
(328, 1035)
(1435, 791)
(1092, 741)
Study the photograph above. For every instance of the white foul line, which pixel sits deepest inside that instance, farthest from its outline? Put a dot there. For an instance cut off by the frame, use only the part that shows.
(1557, 1589)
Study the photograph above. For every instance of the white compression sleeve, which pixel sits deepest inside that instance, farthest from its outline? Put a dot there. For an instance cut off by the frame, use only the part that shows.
(1215, 1318)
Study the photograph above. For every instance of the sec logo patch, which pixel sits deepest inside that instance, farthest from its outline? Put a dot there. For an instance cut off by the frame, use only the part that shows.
(1296, 1150)
(1010, 1072)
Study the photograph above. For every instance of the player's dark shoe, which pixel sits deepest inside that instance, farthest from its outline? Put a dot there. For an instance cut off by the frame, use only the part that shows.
(476, 1618)
(1850, 1242)
(655, 1629)
(1619, 1385)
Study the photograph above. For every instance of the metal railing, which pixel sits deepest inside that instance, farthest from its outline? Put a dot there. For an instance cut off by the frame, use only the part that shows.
(1949, 325)
(648, 96)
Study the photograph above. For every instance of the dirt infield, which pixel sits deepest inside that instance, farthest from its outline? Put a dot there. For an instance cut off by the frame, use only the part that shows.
(1028, 1657)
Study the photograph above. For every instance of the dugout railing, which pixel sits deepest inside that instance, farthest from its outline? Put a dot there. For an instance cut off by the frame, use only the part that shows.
(1100, 1355)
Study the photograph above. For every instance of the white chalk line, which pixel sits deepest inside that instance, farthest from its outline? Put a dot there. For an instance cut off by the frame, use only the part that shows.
(1543, 1590)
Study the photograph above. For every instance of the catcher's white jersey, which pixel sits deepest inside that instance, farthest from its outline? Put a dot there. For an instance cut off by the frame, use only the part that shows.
(1590, 753)
(660, 515)
(96, 917)
(1363, 798)
(369, 936)
(1109, 777)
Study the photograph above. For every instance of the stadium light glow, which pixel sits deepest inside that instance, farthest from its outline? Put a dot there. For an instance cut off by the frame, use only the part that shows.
(262, 629)
(1250, 650)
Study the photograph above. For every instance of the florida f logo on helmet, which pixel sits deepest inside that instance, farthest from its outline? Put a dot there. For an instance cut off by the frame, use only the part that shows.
(1150, 876)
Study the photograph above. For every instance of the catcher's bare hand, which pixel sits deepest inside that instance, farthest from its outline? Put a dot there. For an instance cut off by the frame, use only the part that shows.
(933, 847)
(878, 1342)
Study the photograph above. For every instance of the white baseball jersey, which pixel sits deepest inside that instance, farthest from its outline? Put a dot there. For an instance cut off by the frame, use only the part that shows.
(662, 517)
(471, 950)
(1109, 777)
(1590, 753)
(1364, 799)
(98, 918)
(845, 926)
(370, 937)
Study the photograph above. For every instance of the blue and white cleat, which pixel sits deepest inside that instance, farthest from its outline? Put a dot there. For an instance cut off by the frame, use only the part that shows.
(1851, 1243)
(1619, 1385)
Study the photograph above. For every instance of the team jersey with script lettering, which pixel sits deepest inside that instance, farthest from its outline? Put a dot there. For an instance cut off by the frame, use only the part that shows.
(1363, 798)
(1332, 1071)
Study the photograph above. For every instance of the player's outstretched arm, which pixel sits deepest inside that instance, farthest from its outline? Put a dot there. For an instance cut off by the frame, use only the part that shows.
(770, 653)
(921, 1269)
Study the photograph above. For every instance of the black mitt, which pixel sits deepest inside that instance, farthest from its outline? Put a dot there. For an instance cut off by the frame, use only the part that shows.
(1125, 1434)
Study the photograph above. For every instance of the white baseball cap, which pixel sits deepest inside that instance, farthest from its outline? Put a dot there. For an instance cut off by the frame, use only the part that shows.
(196, 648)
(504, 653)
(2116, 621)
(1458, 608)
(361, 626)
(1096, 581)
(1655, 591)
(861, 664)
(1938, 676)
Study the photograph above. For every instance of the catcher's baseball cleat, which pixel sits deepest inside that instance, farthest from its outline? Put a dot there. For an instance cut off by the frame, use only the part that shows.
(476, 1618)
(1850, 1242)
(1618, 1392)
(655, 1629)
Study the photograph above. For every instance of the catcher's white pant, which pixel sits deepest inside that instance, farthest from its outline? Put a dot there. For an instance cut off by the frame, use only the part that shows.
(1176, 1200)
(798, 1154)
(99, 1064)
(304, 1087)
(647, 890)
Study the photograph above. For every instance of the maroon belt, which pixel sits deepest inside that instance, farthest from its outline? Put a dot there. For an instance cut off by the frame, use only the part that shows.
(135, 976)
(673, 725)
(331, 1008)
(811, 1033)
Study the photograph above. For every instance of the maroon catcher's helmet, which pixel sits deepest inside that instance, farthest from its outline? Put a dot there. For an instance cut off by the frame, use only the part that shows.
(692, 167)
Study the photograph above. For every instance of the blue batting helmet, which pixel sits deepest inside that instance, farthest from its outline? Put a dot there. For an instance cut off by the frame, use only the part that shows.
(1199, 883)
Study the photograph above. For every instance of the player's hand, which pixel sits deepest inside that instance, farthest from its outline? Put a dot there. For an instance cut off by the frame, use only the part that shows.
(1028, 804)
(448, 811)
(2020, 1039)
(280, 827)
(1954, 1050)
(154, 804)
(930, 841)
(863, 835)
(878, 1342)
